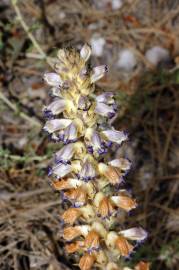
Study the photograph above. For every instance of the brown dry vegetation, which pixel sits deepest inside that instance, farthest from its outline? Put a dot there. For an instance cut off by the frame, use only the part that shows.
(30, 224)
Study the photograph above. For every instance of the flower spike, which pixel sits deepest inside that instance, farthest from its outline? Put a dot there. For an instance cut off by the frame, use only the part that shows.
(81, 168)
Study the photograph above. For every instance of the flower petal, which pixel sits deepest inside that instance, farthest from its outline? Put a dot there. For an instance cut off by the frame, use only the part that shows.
(98, 73)
(115, 135)
(105, 98)
(122, 163)
(56, 124)
(61, 170)
(85, 52)
(138, 234)
(87, 172)
(105, 110)
(53, 79)
(70, 134)
(65, 154)
(55, 108)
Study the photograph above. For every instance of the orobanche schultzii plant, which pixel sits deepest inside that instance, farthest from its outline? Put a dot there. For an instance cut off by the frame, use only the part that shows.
(82, 169)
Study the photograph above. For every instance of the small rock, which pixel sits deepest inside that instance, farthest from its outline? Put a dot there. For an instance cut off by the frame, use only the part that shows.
(126, 60)
(116, 4)
(157, 54)
(97, 43)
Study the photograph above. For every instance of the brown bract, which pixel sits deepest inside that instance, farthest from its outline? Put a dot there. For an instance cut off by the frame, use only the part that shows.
(92, 241)
(70, 233)
(86, 262)
(70, 215)
(124, 247)
(105, 208)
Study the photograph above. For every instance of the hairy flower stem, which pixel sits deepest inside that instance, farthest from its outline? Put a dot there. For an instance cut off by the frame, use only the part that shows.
(81, 169)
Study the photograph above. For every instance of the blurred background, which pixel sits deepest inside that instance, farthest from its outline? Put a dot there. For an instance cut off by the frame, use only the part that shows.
(139, 41)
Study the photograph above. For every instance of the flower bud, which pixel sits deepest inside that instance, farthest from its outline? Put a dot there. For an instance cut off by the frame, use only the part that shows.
(85, 52)
(98, 73)
(53, 79)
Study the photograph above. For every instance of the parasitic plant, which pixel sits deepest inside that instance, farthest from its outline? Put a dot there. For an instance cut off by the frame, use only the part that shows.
(82, 169)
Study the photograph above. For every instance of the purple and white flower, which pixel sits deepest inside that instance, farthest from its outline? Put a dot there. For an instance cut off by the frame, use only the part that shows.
(105, 105)
(65, 154)
(98, 73)
(60, 170)
(70, 134)
(105, 110)
(56, 92)
(107, 98)
(85, 52)
(53, 79)
(56, 125)
(83, 103)
(136, 233)
(122, 163)
(94, 142)
(87, 172)
(54, 108)
(115, 135)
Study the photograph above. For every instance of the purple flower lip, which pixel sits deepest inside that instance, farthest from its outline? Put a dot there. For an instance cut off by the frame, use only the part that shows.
(106, 68)
(111, 115)
(49, 171)
(69, 141)
(87, 178)
(115, 107)
(107, 144)
(61, 137)
(90, 250)
(78, 204)
(102, 151)
(90, 149)
(48, 114)
(62, 161)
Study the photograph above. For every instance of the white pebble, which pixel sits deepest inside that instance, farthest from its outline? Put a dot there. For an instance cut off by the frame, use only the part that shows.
(116, 4)
(126, 60)
(62, 15)
(97, 44)
(157, 54)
